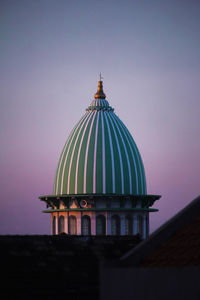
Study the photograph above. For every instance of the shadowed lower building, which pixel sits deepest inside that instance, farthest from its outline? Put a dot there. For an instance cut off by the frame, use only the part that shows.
(100, 184)
(165, 266)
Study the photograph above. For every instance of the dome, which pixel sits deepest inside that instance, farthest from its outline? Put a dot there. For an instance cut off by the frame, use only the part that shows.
(100, 155)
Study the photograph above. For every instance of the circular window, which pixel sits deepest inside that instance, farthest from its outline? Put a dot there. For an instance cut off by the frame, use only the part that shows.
(83, 203)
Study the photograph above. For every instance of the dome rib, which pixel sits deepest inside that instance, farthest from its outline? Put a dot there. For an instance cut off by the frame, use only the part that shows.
(95, 155)
(126, 153)
(103, 154)
(99, 159)
(73, 147)
(79, 150)
(67, 144)
(112, 153)
(139, 160)
(119, 155)
(86, 156)
(90, 159)
(73, 156)
(131, 150)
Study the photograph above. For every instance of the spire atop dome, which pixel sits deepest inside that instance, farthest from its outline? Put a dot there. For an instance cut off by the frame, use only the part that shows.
(100, 94)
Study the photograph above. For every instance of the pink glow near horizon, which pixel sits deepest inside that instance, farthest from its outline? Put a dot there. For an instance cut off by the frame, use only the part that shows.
(51, 55)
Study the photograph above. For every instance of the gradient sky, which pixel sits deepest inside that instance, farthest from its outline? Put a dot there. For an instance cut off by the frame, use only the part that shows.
(51, 53)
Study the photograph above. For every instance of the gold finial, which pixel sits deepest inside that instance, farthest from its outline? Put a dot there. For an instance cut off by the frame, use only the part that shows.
(100, 94)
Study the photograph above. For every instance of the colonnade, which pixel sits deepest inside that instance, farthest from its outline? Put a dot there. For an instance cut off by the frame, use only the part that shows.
(100, 224)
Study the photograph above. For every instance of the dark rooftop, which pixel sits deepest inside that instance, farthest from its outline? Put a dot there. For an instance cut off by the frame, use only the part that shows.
(183, 249)
(176, 243)
(57, 266)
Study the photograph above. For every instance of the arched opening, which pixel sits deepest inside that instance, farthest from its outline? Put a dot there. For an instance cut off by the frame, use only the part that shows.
(61, 224)
(54, 225)
(128, 225)
(100, 225)
(72, 225)
(86, 225)
(115, 225)
(140, 225)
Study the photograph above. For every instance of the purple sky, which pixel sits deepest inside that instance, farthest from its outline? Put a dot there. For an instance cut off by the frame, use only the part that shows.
(51, 53)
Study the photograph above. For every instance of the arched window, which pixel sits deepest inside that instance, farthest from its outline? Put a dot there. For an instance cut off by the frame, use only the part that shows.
(140, 225)
(100, 225)
(72, 225)
(128, 225)
(115, 225)
(61, 224)
(85, 225)
(54, 225)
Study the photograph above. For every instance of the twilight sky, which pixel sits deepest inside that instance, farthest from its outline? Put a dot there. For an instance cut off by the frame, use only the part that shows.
(51, 53)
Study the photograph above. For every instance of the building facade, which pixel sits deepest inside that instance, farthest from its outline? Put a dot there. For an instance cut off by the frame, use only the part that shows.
(100, 184)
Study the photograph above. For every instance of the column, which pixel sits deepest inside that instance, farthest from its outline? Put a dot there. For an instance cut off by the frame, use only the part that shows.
(147, 225)
(93, 223)
(66, 223)
(108, 223)
(51, 224)
(122, 223)
(57, 220)
(79, 223)
(144, 227)
(135, 224)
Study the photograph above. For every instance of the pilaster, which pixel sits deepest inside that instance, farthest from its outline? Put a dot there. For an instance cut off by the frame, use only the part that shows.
(51, 224)
(122, 224)
(79, 223)
(144, 227)
(147, 225)
(57, 216)
(93, 224)
(66, 223)
(108, 224)
(135, 224)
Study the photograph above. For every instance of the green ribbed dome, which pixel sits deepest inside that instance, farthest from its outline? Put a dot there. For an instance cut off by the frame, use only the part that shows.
(100, 156)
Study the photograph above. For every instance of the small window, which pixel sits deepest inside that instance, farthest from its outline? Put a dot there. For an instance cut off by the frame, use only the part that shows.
(61, 224)
(72, 225)
(54, 225)
(140, 225)
(100, 225)
(128, 225)
(115, 225)
(86, 225)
